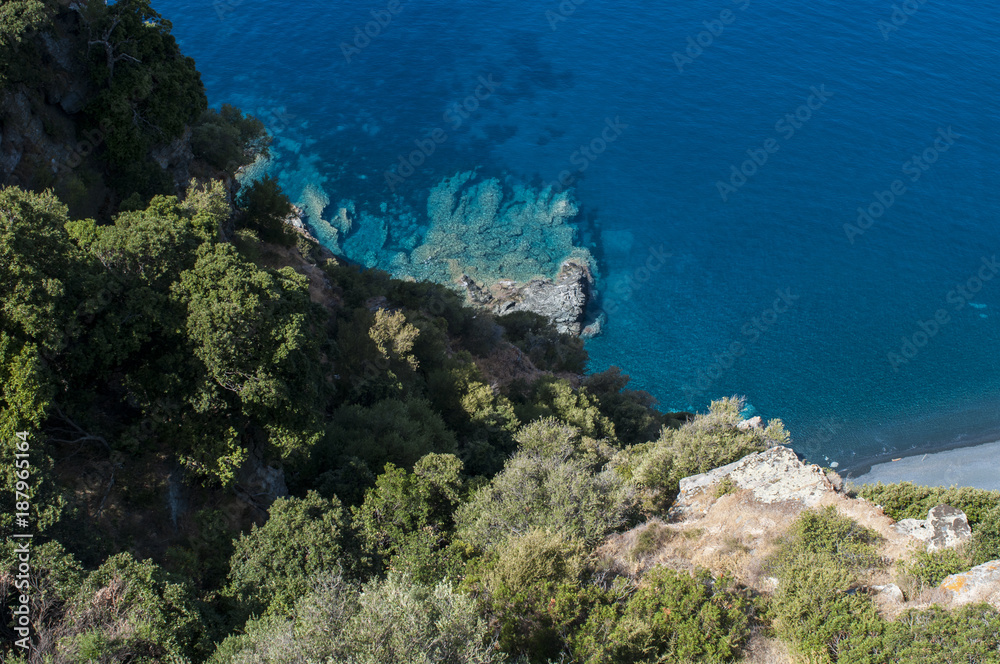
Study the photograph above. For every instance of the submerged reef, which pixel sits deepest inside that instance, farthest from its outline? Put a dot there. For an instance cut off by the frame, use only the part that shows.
(507, 248)
(478, 232)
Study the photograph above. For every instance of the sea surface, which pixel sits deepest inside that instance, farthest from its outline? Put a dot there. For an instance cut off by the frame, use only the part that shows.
(719, 151)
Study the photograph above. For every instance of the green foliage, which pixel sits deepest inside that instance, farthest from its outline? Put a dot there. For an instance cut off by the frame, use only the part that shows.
(546, 486)
(148, 91)
(967, 634)
(264, 207)
(129, 610)
(819, 567)
(725, 487)
(274, 564)
(390, 430)
(708, 441)
(555, 397)
(394, 337)
(407, 518)
(39, 278)
(392, 621)
(632, 412)
(672, 617)
(986, 537)
(484, 420)
(19, 21)
(533, 587)
(905, 500)
(545, 347)
(930, 568)
(252, 332)
(229, 140)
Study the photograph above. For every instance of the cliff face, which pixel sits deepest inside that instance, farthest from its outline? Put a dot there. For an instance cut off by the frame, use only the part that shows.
(39, 120)
(54, 134)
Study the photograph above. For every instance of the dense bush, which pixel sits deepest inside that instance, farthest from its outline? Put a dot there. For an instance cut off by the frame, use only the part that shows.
(264, 207)
(534, 588)
(906, 500)
(819, 566)
(406, 520)
(672, 618)
(549, 485)
(546, 348)
(129, 610)
(228, 139)
(274, 564)
(392, 621)
(148, 92)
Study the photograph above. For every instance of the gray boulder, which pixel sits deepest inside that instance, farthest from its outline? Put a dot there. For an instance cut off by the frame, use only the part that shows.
(562, 300)
(772, 476)
(945, 527)
(979, 584)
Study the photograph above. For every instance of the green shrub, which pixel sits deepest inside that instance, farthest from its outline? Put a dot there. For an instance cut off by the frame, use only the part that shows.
(819, 566)
(986, 537)
(538, 339)
(534, 587)
(632, 412)
(672, 618)
(264, 208)
(227, 139)
(391, 621)
(906, 500)
(391, 430)
(407, 518)
(555, 397)
(941, 636)
(273, 564)
(930, 569)
(555, 492)
(129, 610)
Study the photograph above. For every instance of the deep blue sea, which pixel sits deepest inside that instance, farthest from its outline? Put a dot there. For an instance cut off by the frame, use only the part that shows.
(723, 207)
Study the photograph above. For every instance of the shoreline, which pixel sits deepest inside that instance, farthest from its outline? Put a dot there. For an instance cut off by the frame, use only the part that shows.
(859, 468)
(972, 463)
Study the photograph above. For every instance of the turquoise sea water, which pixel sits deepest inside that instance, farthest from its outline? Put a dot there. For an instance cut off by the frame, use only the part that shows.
(752, 287)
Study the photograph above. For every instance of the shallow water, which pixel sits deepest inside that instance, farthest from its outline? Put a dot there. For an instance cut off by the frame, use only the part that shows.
(764, 293)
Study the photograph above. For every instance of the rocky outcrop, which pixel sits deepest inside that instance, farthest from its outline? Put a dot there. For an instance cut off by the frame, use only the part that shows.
(979, 584)
(945, 527)
(771, 476)
(258, 483)
(562, 300)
